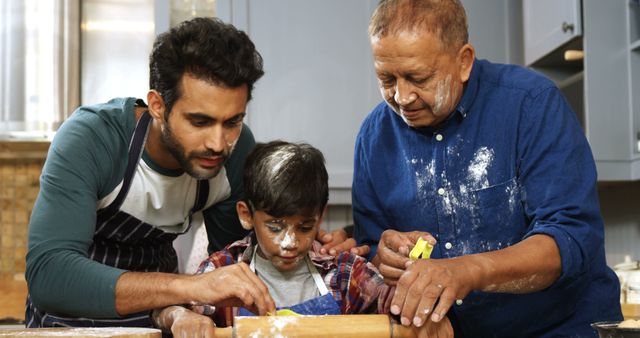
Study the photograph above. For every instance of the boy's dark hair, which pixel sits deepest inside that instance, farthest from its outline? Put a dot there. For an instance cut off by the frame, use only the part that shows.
(286, 179)
(207, 48)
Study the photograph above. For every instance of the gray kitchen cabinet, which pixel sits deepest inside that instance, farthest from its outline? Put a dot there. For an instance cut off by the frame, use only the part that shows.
(495, 29)
(603, 87)
(549, 24)
(319, 82)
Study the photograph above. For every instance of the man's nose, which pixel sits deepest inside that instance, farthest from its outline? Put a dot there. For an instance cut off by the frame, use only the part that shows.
(215, 139)
(404, 94)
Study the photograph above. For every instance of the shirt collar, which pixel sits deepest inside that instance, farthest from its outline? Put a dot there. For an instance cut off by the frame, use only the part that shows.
(462, 109)
(470, 91)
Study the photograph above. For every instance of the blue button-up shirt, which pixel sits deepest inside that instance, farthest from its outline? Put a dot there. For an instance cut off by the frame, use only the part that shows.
(511, 161)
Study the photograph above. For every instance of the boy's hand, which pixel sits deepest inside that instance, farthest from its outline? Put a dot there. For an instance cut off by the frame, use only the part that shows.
(337, 241)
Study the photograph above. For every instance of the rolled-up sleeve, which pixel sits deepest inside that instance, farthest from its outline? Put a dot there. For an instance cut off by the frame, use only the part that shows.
(558, 179)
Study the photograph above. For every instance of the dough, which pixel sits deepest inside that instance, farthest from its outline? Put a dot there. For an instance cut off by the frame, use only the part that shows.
(630, 324)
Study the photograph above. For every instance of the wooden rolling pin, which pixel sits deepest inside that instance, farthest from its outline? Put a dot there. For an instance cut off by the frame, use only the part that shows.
(352, 326)
(80, 332)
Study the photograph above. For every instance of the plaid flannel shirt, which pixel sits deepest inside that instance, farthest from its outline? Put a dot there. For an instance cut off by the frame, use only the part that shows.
(354, 283)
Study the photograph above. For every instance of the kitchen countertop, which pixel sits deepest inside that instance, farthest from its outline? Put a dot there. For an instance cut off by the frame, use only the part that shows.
(22, 149)
(11, 326)
(631, 311)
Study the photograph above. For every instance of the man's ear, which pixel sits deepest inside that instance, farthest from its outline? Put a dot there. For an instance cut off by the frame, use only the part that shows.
(244, 214)
(156, 105)
(466, 55)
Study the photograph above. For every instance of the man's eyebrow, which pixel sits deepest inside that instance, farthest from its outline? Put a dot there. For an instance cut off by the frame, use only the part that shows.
(199, 115)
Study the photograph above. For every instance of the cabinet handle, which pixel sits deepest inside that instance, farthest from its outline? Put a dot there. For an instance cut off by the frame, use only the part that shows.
(566, 27)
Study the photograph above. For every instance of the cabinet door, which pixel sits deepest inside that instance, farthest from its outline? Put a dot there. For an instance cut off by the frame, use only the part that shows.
(548, 24)
(319, 81)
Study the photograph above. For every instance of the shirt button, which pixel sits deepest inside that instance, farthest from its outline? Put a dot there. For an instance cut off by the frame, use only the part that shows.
(458, 301)
(439, 137)
(448, 245)
(441, 191)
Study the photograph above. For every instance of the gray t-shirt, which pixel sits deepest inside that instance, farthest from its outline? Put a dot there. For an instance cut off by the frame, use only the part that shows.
(287, 288)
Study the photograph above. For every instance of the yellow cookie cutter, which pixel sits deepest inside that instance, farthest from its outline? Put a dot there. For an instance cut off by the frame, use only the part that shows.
(422, 248)
(285, 312)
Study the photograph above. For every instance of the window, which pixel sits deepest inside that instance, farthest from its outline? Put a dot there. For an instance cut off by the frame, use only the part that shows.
(39, 65)
(44, 44)
(117, 37)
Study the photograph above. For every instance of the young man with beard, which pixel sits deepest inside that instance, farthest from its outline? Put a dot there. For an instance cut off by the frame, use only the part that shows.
(123, 180)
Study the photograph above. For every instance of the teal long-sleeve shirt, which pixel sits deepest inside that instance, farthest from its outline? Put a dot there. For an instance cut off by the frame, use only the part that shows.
(86, 164)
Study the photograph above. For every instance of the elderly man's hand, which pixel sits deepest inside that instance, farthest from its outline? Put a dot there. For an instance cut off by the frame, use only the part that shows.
(338, 241)
(427, 281)
(393, 252)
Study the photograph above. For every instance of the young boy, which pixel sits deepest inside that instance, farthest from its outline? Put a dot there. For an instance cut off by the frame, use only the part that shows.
(286, 192)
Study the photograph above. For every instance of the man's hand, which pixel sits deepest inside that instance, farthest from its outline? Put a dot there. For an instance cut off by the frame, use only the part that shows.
(232, 285)
(184, 323)
(427, 280)
(337, 241)
(393, 252)
(519, 268)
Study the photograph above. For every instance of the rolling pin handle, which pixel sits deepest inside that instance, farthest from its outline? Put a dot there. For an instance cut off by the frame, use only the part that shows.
(399, 331)
(224, 332)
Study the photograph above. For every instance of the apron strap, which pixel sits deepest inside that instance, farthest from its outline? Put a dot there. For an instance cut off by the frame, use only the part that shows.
(322, 287)
(202, 194)
(135, 152)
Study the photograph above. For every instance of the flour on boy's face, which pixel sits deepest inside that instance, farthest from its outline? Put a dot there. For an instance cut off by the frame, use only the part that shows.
(285, 241)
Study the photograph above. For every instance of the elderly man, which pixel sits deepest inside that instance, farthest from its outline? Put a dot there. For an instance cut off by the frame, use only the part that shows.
(490, 160)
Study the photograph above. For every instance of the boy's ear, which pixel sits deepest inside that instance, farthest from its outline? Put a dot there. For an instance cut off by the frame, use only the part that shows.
(324, 212)
(244, 214)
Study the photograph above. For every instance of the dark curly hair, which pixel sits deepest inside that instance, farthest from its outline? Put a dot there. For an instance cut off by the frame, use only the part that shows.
(207, 48)
(286, 179)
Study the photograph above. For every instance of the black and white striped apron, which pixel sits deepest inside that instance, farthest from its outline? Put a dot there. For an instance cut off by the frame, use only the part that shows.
(125, 242)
